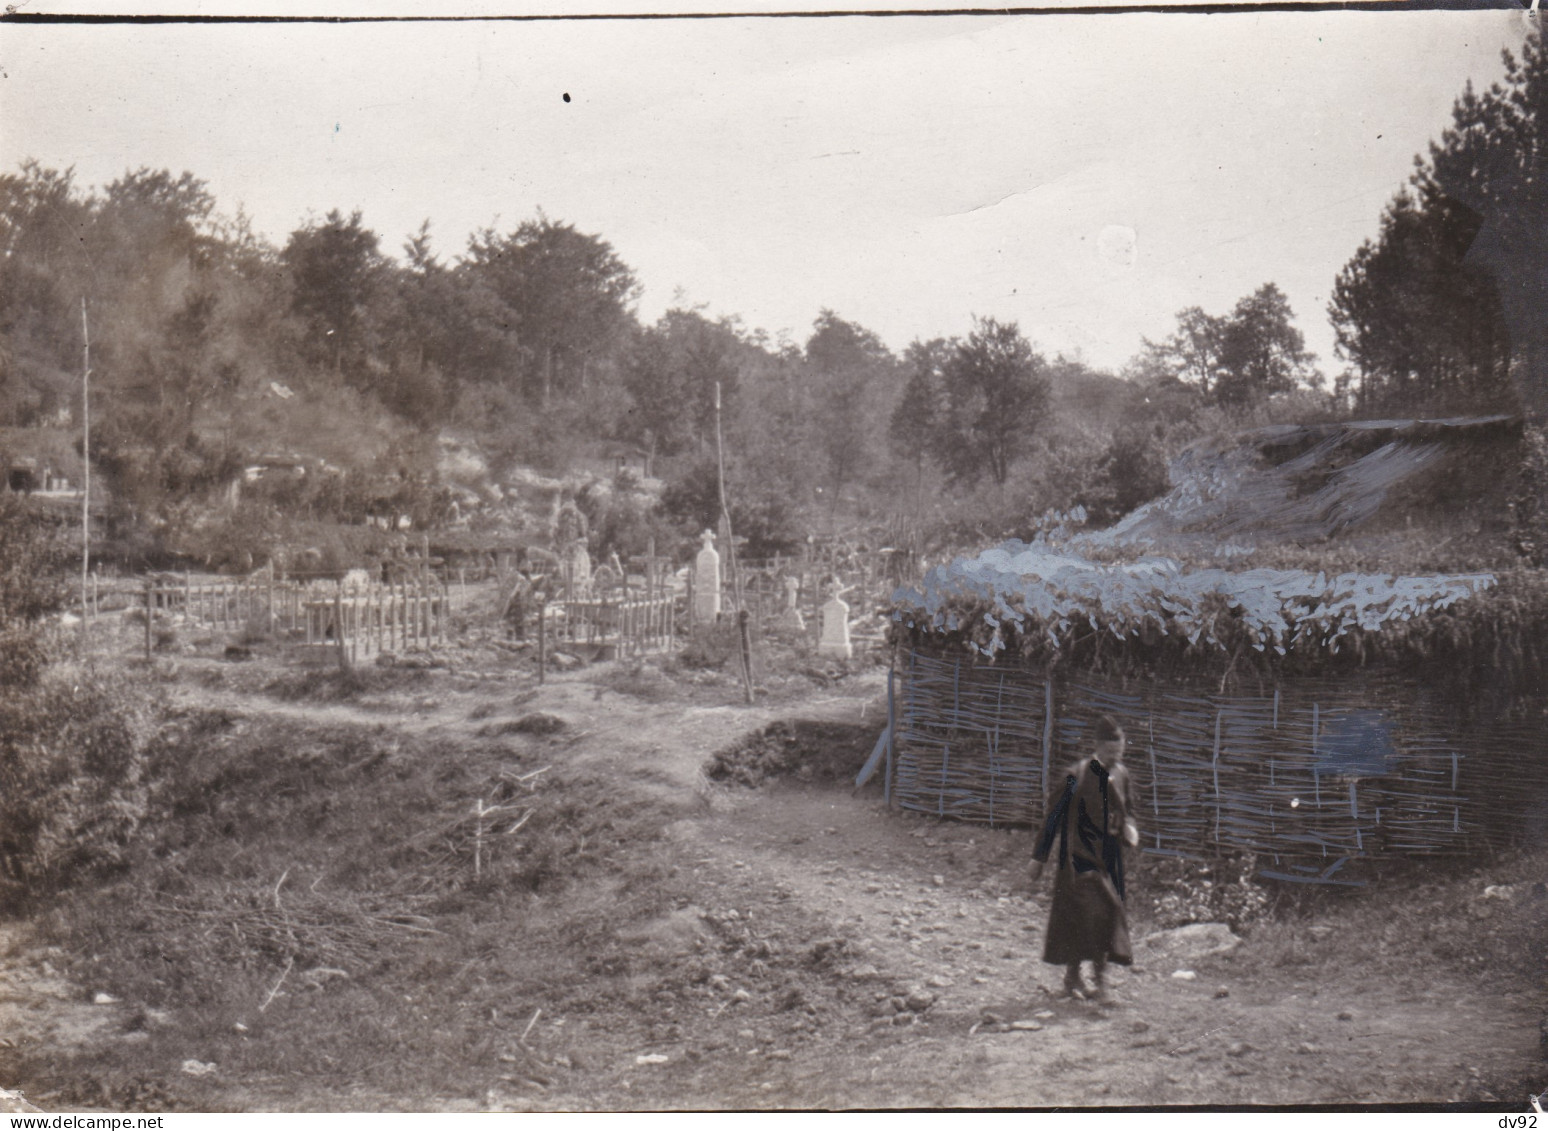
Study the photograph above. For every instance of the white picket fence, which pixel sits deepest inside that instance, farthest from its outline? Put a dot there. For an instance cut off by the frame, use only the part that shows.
(357, 619)
(362, 622)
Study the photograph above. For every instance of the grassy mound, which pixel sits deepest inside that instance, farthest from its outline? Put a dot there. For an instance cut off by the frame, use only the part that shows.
(805, 751)
(331, 903)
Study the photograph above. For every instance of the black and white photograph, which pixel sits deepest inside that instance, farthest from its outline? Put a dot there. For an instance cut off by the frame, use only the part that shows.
(619, 560)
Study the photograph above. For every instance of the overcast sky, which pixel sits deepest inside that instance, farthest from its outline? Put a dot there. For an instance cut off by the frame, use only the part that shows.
(1086, 176)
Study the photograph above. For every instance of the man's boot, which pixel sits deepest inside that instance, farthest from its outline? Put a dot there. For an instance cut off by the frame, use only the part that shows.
(1099, 977)
(1073, 986)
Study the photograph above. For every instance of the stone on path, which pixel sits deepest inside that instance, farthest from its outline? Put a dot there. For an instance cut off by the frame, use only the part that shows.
(920, 1000)
(1026, 1026)
(14, 1103)
(1191, 942)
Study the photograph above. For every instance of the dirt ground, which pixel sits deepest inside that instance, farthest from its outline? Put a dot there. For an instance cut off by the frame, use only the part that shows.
(796, 945)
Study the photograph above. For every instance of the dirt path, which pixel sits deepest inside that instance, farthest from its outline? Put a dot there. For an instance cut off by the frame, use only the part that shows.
(912, 906)
(946, 909)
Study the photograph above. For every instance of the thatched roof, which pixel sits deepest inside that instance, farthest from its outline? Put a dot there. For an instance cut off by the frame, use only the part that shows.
(1018, 590)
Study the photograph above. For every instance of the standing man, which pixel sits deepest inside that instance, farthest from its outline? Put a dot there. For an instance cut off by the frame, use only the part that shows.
(1088, 813)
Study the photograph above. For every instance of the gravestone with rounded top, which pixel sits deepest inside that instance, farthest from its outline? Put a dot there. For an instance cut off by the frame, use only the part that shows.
(834, 637)
(706, 582)
(790, 616)
(576, 565)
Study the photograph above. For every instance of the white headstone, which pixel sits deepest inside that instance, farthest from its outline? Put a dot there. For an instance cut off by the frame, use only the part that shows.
(575, 567)
(834, 639)
(790, 616)
(706, 582)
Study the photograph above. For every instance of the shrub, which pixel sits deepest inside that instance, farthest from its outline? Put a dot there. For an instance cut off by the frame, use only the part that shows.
(72, 755)
(760, 511)
(71, 745)
(1529, 505)
(34, 557)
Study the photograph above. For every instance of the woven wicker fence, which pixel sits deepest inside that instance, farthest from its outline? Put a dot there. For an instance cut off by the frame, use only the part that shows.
(1308, 776)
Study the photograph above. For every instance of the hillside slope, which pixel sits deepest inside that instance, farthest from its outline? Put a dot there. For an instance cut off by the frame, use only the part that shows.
(1382, 485)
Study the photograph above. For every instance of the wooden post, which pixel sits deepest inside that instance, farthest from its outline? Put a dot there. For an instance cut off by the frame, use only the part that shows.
(338, 627)
(1047, 729)
(478, 839)
(410, 616)
(149, 612)
(1155, 789)
(542, 639)
(1354, 814)
(994, 742)
(85, 458)
(745, 632)
(1455, 780)
(892, 730)
(1214, 766)
(271, 599)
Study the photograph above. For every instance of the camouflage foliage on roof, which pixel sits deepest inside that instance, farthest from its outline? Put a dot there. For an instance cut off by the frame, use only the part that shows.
(1018, 589)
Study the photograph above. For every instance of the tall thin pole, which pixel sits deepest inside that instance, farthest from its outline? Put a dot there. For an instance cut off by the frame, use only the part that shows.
(725, 512)
(85, 462)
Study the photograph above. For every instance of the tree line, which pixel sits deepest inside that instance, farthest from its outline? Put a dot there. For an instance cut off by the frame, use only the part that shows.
(528, 339)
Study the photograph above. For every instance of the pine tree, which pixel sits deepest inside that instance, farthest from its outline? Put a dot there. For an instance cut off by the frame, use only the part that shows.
(1444, 307)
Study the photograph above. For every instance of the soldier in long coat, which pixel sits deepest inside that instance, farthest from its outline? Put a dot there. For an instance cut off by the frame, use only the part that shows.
(1088, 817)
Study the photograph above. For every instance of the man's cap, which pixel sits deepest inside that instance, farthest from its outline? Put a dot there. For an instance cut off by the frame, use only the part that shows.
(1108, 730)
